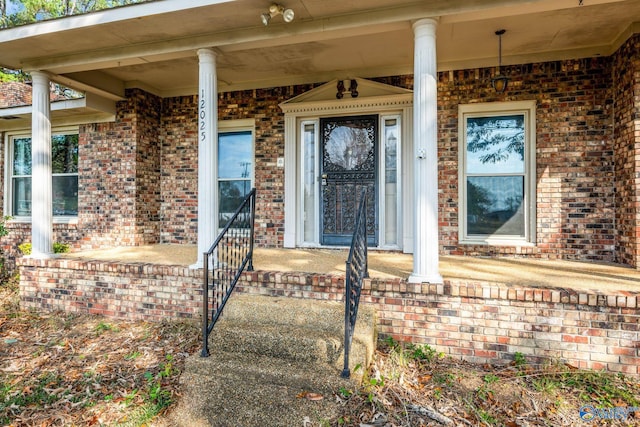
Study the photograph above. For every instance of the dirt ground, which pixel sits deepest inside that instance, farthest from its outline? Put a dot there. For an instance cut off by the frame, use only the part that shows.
(58, 369)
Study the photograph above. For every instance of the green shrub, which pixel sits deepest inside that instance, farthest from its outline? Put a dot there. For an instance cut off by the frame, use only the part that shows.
(25, 248)
(4, 273)
(58, 248)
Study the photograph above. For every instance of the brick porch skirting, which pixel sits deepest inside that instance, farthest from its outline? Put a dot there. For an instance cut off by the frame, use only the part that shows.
(475, 321)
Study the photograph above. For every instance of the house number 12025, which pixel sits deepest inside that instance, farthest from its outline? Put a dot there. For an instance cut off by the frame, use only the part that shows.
(203, 116)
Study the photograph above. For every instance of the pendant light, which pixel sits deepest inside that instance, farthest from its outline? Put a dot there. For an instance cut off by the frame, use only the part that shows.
(500, 81)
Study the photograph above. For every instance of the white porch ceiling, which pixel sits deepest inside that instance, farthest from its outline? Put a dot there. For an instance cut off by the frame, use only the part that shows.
(153, 45)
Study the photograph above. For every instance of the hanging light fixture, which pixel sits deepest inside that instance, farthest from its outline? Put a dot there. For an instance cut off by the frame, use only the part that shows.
(275, 10)
(500, 81)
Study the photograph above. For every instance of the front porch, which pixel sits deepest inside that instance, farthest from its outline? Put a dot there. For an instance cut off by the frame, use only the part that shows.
(552, 274)
(485, 310)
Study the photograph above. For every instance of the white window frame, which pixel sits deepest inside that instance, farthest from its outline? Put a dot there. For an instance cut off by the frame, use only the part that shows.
(231, 126)
(382, 208)
(316, 200)
(528, 109)
(8, 175)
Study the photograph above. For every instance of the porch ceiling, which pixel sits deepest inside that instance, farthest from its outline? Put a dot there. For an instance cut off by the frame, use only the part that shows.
(153, 45)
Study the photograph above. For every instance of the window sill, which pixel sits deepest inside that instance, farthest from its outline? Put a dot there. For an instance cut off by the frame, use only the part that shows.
(498, 242)
(56, 220)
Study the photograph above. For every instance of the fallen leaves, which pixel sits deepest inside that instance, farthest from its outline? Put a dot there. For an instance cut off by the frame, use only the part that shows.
(58, 369)
(310, 396)
(446, 391)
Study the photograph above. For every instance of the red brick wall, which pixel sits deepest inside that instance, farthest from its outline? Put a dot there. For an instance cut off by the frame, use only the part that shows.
(626, 75)
(476, 321)
(179, 171)
(148, 110)
(179, 161)
(575, 171)
(119, 176)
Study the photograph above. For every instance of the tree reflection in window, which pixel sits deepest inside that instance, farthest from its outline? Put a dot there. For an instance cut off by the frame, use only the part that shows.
(235, 172)
(495, 169)
(64, 168)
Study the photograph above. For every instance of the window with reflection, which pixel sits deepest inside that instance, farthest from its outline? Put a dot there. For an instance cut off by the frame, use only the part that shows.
(497, 180)
(64, 163)
(235, 172)
(309, 138)
(391, 129)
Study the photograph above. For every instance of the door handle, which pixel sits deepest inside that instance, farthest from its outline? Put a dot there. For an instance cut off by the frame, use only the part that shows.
(324, 179)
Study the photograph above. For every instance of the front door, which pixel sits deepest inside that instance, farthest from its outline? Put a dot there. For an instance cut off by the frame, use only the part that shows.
(348, 164)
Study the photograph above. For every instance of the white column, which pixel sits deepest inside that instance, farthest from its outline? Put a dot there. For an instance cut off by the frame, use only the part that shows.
(207, 153)
(41, 179)
(425, 137)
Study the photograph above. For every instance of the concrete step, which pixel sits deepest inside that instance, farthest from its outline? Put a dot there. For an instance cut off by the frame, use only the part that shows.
(287, 342)
(320, 315)
(246, 390)
(265, 353)
(294, 329)
(312, 316)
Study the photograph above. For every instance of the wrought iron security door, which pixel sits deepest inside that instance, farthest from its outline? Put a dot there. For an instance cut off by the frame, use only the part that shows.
(349, 163)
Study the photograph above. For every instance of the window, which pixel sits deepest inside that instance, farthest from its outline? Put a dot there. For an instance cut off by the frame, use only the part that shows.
(235, 171)
(391, 186)
(310, 201)
(497, 173)
(64, 162)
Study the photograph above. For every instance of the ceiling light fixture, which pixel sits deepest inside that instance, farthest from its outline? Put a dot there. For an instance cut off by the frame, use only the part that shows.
(275, 10)
(500, 81)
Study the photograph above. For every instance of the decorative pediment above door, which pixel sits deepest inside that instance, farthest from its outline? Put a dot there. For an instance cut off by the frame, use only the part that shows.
(370, 96)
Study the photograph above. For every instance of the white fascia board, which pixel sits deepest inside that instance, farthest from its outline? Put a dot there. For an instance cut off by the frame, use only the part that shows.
(90, 109)
(106, 16)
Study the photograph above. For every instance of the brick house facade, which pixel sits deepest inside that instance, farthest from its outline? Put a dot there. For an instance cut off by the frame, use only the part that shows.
(587, 152)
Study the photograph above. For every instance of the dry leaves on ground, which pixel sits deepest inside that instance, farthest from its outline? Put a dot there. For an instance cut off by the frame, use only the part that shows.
(63, 370)
(414, 386)
(66, 369)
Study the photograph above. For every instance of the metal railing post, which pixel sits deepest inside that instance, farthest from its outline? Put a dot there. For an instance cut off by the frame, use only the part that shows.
(356, 269)
(251, 232)
(348, 333)
(234, 255)
(205, 307)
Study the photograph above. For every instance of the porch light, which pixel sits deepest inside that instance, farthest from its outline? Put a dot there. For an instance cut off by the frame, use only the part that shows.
(275, 10)
(341, 89)
(354, 88)
(500, 81)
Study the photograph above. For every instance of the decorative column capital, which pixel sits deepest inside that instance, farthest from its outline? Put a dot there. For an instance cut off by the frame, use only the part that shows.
(40, 77)
(426, 26)
(207, 54)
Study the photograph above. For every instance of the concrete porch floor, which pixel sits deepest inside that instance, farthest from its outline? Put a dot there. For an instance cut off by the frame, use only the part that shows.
(510, 271)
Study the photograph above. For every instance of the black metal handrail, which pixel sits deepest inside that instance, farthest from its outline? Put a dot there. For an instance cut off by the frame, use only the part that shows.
(356, 270)
(229, 255)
